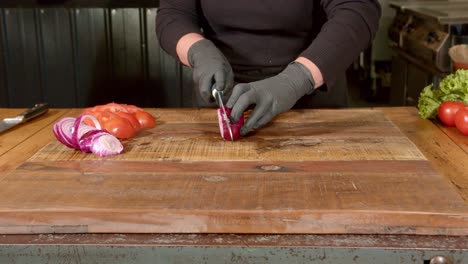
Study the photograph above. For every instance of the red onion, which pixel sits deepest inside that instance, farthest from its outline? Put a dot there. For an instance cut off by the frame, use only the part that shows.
(106, 145)
(63, 131)
(80, 128)
(86, 141)
(73, 133)
(223, 129)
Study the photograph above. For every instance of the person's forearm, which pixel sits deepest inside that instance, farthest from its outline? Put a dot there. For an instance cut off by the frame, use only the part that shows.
(349, 30)
(184, 44)
(175, 19)
(314, 70)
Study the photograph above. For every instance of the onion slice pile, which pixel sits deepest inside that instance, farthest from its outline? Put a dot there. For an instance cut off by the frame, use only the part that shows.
(75, 134)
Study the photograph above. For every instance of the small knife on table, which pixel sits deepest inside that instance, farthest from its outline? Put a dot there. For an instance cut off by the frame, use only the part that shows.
(27, 115)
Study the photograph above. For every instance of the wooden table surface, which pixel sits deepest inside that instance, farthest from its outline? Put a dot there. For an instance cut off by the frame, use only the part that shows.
(434, 166)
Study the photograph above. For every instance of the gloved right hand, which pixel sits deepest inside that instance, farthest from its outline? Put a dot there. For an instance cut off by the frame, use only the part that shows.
(209, 67)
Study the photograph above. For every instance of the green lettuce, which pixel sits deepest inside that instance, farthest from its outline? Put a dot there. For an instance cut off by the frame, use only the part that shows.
(453, 87)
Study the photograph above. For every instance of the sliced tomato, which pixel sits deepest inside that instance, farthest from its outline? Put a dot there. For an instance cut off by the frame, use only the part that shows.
(112, 107)
(131, 118)
(132, 108)
(145, 119)
(121, 120)
(120, 128)
(116, 125)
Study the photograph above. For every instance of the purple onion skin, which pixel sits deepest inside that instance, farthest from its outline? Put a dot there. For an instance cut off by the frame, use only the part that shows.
(73, 133)
(87, 139)
(81, 128)
(106, 145)
(63, 130)
(236, 127)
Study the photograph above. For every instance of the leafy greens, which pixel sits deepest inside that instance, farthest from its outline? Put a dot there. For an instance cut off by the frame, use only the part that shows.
(453, 87)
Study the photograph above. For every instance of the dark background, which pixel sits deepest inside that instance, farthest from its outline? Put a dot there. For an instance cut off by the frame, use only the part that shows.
(80, 3)
(82, 53)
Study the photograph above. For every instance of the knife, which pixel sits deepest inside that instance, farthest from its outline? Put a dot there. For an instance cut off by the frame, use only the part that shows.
(27, 115)
(219, 100)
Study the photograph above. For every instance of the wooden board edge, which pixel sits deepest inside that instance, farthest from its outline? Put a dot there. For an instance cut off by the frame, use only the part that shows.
(179, 221)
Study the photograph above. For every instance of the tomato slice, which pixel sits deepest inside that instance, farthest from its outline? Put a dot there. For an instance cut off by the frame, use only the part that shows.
(145, 119)
(116, 125)
(132, 108)
(112, 107)
(120, 128)
(131, 118)
(121, 120)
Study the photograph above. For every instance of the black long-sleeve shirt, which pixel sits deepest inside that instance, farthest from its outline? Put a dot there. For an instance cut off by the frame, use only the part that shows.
(255, 34)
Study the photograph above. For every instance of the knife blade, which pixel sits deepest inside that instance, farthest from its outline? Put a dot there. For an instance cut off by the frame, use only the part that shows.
(27, 115)
(219, 100)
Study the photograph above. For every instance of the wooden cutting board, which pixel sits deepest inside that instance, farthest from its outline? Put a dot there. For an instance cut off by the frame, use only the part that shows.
(309, 171)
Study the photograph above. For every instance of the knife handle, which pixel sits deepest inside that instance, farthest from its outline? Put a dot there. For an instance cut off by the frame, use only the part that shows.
(217, 95)
(35, 111)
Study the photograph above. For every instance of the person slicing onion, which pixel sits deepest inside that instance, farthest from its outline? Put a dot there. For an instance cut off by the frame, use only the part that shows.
(279, 54)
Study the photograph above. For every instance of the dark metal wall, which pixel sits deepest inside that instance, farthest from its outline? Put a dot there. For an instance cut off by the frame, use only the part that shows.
(82, 56)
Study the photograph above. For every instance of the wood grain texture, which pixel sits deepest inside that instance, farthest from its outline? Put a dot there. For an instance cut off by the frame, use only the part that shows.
(446, 153)
(15, 135)
(20, 142)
(294, 136)
(310, 171)
(454, 134)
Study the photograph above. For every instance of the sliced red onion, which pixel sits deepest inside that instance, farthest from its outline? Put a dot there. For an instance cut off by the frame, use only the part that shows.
(106, 145)
(63, 131)
(73, 133)
(59, 136)
(86, 141)
(236, 127)
(81, 128)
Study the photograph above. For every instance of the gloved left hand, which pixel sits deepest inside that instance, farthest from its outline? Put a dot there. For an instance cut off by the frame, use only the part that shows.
(271, 96)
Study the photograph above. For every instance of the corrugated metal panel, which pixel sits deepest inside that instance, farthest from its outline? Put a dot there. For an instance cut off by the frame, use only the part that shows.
(167, 70)
(77, 57)
(56, 56)
(3, 73)
(91, 48)
(162, 69)
(127, 54)
(21, 57)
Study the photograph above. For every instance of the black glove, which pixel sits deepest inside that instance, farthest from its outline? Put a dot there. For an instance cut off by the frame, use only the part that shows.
(271, 96)
(210, 67)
